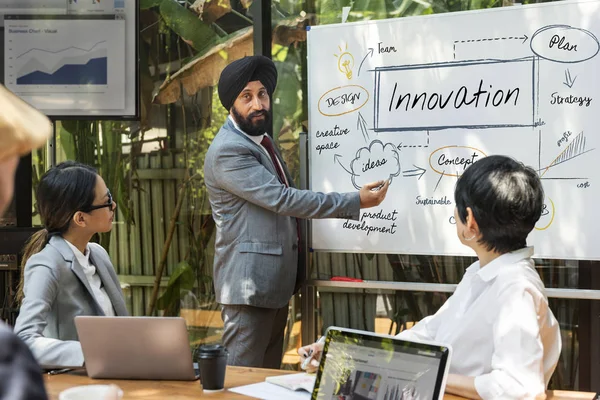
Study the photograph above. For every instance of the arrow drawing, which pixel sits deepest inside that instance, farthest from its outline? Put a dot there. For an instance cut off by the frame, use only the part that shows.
(523, 38)
(576, 148)
(402, 145)
(568, 80)
(418, 171)
(370, 52)
(336, 159)
(362, 125)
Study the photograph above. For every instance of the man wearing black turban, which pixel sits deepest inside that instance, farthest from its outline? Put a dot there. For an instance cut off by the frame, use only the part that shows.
(236, 75)
(255, 207)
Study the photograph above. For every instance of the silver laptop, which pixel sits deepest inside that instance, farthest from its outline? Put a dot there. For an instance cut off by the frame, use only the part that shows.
(154, 348)
(361, 365)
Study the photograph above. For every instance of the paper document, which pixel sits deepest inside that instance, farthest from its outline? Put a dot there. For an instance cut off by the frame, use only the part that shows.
(302, 381)
(268, 391)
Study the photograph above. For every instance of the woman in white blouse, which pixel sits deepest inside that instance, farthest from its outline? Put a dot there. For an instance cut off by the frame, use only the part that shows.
(505, 340)
(63, 274)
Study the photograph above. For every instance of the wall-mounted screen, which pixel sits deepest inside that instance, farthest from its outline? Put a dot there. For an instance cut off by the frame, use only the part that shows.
(78, 63)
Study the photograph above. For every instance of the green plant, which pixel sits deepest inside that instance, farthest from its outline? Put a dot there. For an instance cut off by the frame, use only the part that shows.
(198, 222)
(99, 144)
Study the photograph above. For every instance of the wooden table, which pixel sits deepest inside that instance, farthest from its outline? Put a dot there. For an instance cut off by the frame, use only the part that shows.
(162, 390)
(236, 376)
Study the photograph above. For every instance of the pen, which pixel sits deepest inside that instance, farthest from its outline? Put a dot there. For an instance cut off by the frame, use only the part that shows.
(59, 371)
(311, 354)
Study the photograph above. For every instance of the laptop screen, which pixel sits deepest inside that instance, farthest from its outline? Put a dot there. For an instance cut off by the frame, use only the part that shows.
(363, 366)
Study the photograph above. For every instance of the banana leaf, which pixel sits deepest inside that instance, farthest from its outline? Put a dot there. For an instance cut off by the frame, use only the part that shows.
(146, 4)
(369, 9)
(146, 86)
(186, 24)
(182, 278)
(205, 68)
(286, 97)
(211, 10)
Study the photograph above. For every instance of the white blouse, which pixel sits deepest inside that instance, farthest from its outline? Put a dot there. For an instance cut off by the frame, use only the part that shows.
(500, 328)
(93, 279)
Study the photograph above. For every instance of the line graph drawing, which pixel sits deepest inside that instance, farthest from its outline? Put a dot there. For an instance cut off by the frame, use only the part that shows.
(575, 149)
(60, 51)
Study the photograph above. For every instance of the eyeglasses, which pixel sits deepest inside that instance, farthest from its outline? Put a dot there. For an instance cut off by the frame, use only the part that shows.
(109, 204)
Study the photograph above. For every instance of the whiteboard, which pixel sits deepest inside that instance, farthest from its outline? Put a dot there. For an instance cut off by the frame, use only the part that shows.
(419, 99)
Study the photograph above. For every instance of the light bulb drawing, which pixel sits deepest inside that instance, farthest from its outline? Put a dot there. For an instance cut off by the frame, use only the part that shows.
(345, 62)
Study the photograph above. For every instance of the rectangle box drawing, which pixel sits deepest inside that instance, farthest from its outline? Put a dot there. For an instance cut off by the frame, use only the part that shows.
(484, 93)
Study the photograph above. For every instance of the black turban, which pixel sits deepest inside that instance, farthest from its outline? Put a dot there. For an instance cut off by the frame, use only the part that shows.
(236, 76)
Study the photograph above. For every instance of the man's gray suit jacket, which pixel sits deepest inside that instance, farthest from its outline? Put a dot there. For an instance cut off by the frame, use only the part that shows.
(256, 248)
(56, 291)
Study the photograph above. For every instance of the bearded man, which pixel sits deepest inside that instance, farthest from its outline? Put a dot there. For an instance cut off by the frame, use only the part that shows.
(255, 207)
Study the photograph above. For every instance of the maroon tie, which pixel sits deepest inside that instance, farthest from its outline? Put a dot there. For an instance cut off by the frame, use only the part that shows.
(268, 145)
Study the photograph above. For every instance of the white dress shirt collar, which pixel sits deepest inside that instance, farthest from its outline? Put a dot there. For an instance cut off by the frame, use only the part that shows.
(258, 141)
(95, 282)
(82, 259)
(492, 269)
(255, 139)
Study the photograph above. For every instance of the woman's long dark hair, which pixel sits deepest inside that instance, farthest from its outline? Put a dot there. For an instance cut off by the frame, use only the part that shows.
(63, 190)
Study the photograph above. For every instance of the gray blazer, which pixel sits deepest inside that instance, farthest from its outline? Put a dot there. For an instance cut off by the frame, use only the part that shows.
(256, 248)
(56, 291)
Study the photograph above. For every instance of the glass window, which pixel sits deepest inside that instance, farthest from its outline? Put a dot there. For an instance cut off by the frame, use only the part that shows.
(163, 227)
(154, 170)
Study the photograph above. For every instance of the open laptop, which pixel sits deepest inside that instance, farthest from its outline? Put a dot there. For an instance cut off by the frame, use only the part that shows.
(362, 365)
(154, 348)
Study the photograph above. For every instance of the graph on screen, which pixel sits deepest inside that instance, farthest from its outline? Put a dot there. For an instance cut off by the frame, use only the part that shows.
(77, 66)
(68, 62)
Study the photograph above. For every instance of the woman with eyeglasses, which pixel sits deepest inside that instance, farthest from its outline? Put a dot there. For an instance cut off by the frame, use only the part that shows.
(63, 274)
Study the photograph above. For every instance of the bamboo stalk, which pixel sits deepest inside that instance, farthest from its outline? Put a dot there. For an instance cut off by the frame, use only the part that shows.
(167, 245)
(174, 217)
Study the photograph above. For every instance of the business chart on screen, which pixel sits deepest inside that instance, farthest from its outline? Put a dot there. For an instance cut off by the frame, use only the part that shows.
(76, 61)
(418, 100)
